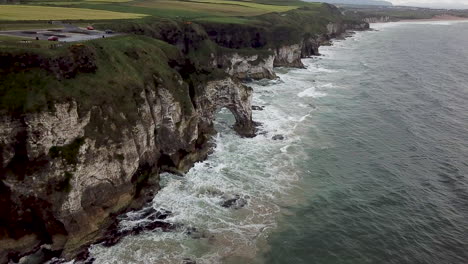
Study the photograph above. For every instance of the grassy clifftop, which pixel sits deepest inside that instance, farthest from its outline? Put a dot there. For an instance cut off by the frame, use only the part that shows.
(399, 13)
(156, 51)
(219, 10)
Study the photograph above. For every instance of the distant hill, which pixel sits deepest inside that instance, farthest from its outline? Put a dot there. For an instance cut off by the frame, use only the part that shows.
(356, 2)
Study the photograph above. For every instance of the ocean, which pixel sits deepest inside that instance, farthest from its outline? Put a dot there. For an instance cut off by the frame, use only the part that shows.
(372, 166)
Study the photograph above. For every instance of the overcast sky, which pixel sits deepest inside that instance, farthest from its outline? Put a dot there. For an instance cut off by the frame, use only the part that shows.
(433, 3)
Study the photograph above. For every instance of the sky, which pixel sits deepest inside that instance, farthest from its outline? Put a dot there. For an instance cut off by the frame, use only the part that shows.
(433, 3)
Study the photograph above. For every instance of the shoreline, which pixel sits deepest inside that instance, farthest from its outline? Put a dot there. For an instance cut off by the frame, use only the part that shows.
(436, 18)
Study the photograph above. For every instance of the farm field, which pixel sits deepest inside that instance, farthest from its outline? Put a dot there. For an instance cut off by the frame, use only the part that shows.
(203, 8)
(263, 7)
(34, 13)
(193, 9)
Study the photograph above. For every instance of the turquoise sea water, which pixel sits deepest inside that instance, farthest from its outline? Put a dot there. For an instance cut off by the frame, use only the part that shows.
(386, 174)
(372, 168)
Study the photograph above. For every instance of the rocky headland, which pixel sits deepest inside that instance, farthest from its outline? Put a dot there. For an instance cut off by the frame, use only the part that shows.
(85, 130)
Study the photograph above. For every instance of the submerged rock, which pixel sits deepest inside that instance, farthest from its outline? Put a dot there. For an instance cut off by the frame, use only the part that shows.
(234, 202)
(43, 254)
(188, 261)
(151, 219)
(258, 108)
(195, 233)
(278, 137)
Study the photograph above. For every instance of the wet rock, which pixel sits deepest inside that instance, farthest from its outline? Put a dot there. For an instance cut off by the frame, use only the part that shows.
(152, 219)
(83, 257)
(258, 108)
(234, 202)
(278, 137)
(57, 261)
(195, 233)
(188, 261)
(150, 213)
(40, 256)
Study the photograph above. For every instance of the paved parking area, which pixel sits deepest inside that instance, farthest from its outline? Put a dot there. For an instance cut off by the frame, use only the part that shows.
(69, 33)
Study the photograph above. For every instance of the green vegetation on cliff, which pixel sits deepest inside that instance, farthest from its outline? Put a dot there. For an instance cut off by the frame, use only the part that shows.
(107, 77)
(399, 13)
(114, 71)
(67, 152)
(111, 76)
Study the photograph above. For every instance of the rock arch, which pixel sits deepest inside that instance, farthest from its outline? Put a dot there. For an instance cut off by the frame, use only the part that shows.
(234, 96)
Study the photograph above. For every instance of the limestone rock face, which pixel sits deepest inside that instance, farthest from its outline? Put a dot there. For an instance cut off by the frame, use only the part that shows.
(336, 29)
(382, 19)
(289, 56)
(233, 96)
(60, 187)
(310, 46)
(246, 67)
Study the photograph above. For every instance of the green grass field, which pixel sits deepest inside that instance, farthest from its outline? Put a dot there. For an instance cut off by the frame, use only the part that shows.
(263, 7)
(24, 26)
(207, 10)
(201, 8)
(34, 13)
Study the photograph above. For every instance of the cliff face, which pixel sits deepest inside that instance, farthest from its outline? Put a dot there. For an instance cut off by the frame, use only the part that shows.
(247, 66)
(80, 183)
(68, 168)
(382, 19)
(289, 56)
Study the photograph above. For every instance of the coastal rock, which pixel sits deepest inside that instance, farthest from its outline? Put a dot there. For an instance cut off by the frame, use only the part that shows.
(149, 220)
(382, 19)
(248, 67)
(234, 202)
(288, 56)
(195, 233)
(258, 108)
(335, 30)
(278, 137)
(310, 46)
(189, 261)
(232, 95)
(62, 181)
